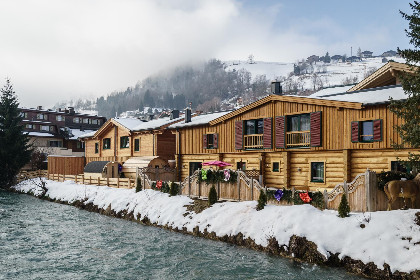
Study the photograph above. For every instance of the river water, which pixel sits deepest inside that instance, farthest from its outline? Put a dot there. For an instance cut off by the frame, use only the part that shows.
(44, 240)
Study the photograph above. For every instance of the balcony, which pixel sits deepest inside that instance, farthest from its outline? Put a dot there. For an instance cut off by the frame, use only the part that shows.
(253, 141)
(298, 139)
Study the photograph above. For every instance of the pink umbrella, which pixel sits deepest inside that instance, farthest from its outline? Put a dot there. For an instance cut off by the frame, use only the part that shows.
(217, 163)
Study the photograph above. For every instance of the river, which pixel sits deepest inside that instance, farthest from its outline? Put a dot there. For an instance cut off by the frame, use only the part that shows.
(44, 240)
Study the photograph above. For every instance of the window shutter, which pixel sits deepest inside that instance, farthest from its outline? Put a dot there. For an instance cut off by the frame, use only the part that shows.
(354, 132)
(216, 140)
(267, 134)
(238, 135)
(280, 127)
(377, 130)
(316, 129)
(204, 141)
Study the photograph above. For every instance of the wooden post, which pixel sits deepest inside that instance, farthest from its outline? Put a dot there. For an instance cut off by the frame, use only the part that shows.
(252, 188)
(118, 182)
(218, 190)
(90, 180)
(75, 178)
(129, 183)
(199, 188)
(137, 176)
(144, 180)
(346, 189)
(239, 187)
(371, 190)
(99, 181)
(293, 196)
(325, 199)
(287, 171)
(189, 186)
(83, 179)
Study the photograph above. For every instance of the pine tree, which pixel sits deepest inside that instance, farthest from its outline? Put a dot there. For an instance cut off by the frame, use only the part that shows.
(212, 195)
(138, 187)
(408, 110)
(262, 200)
(15, 151)
(174, 189)
(344, 207)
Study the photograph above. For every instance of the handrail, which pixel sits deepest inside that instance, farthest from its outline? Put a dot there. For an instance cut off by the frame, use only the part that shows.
(253, 141)
(298, 138)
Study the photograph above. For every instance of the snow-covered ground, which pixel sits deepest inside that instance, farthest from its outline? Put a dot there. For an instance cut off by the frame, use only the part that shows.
(335, 73)
(388, 237)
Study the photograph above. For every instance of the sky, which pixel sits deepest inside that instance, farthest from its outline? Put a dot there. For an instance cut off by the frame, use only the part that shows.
(55, 50)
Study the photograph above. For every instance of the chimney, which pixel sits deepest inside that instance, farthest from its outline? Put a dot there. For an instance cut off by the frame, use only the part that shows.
(151, 116)
(187, 115)
(39, 108)
(174, 114)
(276, 88)
(71, 110)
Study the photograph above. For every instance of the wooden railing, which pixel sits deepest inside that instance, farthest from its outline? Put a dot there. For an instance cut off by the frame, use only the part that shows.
(25, 175)
(253, 141)
(126, 183)
(298, 139)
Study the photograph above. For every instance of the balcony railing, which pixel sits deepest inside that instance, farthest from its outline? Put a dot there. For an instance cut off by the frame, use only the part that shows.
(253, 141)
(298, 138)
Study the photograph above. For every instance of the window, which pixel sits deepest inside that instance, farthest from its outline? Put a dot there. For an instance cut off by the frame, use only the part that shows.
(60, 118)
(80, 145)
(276, 166)
(85, 120)
(317, 172)
(23, 115)
(299, 122)
(106, 143)
(240, 165)
(124, 142)
(51, 128)
(137, 144)
(96, 148)
(398, 166)
(366, 131)
(194, 166)
(41, 116)
(76, 120)
(45, 128)
(29, 126)
(210, 141)
(366, 134)
(95, 121)
(254, 127)
(55, 143)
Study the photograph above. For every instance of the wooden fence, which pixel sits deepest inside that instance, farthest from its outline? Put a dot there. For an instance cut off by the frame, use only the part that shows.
(25, 175)
(126, 183)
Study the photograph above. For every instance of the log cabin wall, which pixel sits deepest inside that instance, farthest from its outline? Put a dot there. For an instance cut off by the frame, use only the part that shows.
(342, 158)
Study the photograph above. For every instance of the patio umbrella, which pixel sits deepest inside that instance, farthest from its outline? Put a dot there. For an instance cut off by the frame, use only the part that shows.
(217, 163)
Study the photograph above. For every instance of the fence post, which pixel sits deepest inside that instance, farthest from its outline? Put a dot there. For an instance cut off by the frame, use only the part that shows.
(118, 182)
(90, 180)
(75, 179)
(325, 199)
(346, 189)
(107, 181)
(239, 187)
(99, 181)
(252, 188)
(137, 176)
(189, 186)
(218, 190)
(144, 180)
(199, 188)
(371, 190)
(293, 195)
(83, 179)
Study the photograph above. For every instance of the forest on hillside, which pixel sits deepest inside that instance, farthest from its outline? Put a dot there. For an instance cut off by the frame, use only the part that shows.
(204, 85)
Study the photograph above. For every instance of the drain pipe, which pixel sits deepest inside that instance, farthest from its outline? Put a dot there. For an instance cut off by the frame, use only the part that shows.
(179, 155)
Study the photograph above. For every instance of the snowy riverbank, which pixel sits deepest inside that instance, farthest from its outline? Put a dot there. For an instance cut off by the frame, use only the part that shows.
(391, 238)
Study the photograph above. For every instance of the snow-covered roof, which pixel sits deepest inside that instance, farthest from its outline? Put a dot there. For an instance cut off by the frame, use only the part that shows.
(135, 124)
(331, 90)
(87, 134)
(200, 119)
(77, 133)
(41, 134)
(369, 96)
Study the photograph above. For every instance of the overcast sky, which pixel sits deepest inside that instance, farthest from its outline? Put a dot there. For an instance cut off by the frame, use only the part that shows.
(55, 50)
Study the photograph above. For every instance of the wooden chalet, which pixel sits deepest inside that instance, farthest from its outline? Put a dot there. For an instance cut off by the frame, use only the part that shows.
(303, 142)
(132, 143)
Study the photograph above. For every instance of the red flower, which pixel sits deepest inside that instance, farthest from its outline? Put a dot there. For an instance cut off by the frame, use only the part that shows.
(159, 184)
(305, 197)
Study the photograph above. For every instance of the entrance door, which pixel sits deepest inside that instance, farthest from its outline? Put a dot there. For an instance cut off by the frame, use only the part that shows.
(194, 166)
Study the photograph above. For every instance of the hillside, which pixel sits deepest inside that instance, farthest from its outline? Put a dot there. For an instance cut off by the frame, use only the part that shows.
(217, 85)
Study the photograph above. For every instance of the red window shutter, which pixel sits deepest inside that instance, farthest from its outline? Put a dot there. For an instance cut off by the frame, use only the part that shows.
(377, 130)
(354, 132)
(238, 135)
(267, 134)
(316, 129)
(280, 127)
(205, 141)
(216, 140)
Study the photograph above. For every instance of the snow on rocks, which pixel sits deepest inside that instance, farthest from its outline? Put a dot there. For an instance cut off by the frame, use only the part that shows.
(387, 237)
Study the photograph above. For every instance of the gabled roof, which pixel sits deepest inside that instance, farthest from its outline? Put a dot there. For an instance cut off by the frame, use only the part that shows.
(290, 99)
(384, 76)
(200, 120)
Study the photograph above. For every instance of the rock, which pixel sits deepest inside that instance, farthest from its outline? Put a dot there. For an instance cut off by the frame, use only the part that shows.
(305, 250)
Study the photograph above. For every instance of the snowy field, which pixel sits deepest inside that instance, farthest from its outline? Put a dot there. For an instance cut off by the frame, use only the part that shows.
(388, 237)
(335, 73)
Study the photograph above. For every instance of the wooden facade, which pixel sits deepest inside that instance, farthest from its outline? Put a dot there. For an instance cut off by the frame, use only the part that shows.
(159, 142)
(65, 165)
(332, 142)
